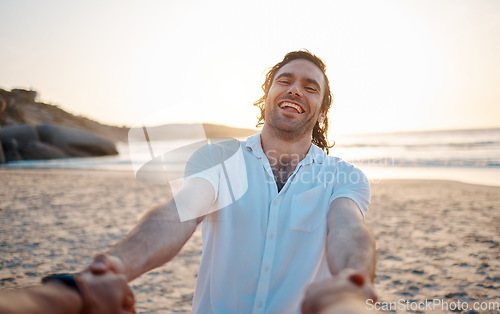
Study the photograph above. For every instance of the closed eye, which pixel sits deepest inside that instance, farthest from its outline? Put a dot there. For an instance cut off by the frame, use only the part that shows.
(311, 89)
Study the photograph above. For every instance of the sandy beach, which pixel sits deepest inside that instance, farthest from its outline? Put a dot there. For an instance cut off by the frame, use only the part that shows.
(435, 239)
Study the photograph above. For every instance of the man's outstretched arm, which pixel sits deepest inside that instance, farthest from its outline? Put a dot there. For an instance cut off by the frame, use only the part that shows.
(350, 253)
(350, 243)
(159, 235)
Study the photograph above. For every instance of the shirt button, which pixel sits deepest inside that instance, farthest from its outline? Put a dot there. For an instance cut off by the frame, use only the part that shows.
(266, 268)
(271, 236)
(259, 303)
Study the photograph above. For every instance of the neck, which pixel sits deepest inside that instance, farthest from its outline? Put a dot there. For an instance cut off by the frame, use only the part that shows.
(284, 148)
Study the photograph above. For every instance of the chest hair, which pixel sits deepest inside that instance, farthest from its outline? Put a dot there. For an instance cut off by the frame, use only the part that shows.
(281, 174)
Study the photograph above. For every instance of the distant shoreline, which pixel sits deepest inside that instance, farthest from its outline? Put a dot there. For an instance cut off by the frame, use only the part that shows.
(466, 175)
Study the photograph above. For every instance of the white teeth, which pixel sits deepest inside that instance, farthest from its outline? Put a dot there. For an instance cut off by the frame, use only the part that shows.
(289, 104)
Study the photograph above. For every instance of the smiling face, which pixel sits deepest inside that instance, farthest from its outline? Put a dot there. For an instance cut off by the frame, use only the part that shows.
(293, 103)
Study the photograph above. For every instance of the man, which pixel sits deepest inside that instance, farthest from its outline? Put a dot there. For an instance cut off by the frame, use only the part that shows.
(299, 221)
(70, 293)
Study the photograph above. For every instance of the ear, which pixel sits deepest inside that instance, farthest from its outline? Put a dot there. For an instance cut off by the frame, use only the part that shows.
(321, 117)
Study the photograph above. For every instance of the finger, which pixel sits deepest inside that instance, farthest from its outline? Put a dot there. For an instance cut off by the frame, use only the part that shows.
(128, 310)
(116, 265)
(317, 297)
(100, 264)
(370, 293)
(347, 272)
(311, 293)
(128, 301)
(104, 262)
(357, 279)
(305, 307)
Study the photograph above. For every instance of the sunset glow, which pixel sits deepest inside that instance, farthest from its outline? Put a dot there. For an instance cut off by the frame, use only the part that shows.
(393, 65)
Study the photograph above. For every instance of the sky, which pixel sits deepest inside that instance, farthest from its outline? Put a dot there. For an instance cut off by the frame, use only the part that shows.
(394, 65)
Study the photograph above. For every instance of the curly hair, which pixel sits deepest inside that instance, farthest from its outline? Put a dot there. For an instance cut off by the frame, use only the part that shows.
(319, 134)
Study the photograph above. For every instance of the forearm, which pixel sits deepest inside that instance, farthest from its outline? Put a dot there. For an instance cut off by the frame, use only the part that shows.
(350, 243)
(351, 246)
(156, 239)
(53, 298)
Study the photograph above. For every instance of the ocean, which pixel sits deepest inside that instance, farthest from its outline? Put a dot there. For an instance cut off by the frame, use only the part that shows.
(471, 156)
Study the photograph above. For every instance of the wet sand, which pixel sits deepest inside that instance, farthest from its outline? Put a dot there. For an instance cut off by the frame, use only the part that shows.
(435, 239)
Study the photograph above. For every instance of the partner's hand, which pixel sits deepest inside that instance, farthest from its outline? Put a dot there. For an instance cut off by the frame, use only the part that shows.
(348, 285)
(105, 293)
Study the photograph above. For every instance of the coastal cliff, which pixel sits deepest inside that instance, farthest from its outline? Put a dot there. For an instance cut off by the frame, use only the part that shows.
(20, 107)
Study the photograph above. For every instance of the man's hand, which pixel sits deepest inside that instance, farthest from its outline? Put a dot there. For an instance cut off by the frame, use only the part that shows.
(109, 267)
(103, 263)
(344, 293)
(105, 293)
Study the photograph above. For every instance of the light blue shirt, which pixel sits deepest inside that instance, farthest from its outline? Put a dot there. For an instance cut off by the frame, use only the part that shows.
(261, 248)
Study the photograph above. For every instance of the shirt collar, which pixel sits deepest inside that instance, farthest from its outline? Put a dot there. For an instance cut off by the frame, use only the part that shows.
(253, 144)
(314, 155)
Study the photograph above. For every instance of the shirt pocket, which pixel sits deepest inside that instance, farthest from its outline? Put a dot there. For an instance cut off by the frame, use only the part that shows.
(306, 212)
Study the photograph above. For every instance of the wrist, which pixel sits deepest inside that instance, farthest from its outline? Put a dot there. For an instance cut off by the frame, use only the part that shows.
(58, 297)
(73, 283)
(84, 293)
(66, 279)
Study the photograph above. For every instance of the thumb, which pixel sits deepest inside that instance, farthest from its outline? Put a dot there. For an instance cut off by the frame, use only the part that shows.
(104, 262)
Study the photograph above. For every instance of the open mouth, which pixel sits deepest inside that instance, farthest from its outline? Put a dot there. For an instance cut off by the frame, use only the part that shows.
(290, 106)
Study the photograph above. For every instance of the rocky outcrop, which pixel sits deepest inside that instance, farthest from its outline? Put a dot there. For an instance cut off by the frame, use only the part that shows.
(22, 134)
(40, 151)
(74, 142)
(2, 155)
(33, 130)
(47, 141)
(20, 107)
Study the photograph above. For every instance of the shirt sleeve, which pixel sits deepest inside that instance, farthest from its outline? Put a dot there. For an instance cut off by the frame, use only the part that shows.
(202, 164)
(222, 164)
(352, 183)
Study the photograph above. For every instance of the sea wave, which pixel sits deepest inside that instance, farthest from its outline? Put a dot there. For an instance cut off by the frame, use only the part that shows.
(459, 148)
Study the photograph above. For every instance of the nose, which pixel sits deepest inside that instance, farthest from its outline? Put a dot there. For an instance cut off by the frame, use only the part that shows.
(294, 90)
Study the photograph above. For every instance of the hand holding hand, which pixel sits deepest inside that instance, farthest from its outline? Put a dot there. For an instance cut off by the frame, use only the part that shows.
(349, 285)
(106, 293)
